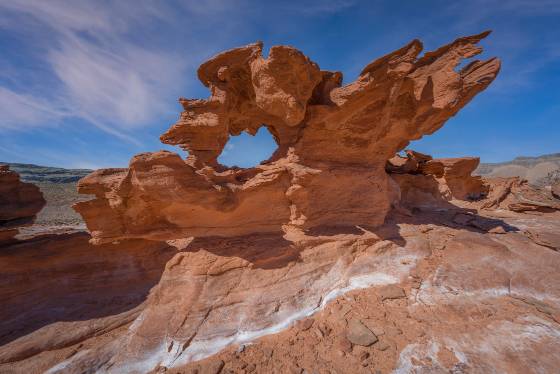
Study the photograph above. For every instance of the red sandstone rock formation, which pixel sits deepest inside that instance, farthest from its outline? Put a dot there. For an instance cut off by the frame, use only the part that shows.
(19, 203)
(518, 195)
(424, 181)
(450, 297)
(426, 291)
(333, 143)
(457, 175)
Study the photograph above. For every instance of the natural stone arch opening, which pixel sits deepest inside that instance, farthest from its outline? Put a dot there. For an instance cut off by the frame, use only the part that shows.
(247, 150)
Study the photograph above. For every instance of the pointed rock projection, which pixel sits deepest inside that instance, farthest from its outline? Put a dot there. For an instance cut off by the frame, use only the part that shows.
(333, 143)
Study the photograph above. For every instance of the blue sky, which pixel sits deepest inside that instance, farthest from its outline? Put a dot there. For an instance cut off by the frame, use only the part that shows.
(91, 83)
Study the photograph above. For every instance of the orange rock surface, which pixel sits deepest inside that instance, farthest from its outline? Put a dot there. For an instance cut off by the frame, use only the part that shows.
(333, 143)
(315, 261)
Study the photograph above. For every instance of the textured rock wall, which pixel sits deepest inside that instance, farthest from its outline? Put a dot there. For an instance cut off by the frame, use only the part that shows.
(333, 143)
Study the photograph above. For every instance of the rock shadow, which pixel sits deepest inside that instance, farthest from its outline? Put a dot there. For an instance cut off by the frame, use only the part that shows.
(265, 250)
(63, 278)
(452, 216)
(279, 249)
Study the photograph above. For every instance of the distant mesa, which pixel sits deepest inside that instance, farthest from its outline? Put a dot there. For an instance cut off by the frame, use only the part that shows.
(540, 170)
(36, 173)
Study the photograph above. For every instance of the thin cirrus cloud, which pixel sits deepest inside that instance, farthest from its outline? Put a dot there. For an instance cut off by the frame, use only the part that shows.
(104, 75)
(127, 88)
(107, 59)
(18, 109)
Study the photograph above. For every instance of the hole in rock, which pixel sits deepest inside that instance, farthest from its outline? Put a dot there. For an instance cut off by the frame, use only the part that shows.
(430, 145)
(464, 62)
(247, 151)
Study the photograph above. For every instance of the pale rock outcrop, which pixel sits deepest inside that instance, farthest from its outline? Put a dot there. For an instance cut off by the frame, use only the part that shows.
(333, 144)
(19, 203)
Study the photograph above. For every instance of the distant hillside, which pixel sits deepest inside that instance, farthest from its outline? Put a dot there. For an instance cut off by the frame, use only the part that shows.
(36, 173)
(540, 170)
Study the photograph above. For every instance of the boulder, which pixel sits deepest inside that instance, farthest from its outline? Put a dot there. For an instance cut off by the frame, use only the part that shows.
(19, 203)
(390, 292)
(358, 334)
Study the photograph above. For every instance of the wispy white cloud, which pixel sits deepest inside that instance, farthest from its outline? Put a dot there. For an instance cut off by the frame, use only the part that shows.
(18, 109)
(105, 75)
(317, 7)
(106, 60)
(126, 87)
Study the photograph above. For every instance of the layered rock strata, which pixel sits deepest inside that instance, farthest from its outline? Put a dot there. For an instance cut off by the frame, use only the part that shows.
(468, 302)
(333, 143)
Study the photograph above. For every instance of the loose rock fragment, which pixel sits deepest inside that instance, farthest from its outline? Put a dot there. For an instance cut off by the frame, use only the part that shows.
(391, 292)
(358, 333)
